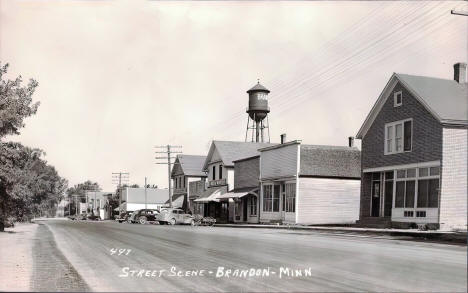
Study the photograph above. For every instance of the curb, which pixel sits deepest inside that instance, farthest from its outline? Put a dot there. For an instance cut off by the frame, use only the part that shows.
(444, 236)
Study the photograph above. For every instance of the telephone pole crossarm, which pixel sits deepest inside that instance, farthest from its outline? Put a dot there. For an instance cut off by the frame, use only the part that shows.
(168, 152)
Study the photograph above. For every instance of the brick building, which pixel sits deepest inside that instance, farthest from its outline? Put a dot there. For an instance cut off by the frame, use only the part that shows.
(414, 153)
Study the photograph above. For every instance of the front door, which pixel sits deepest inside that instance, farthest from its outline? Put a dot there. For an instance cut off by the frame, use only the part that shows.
(375, 198)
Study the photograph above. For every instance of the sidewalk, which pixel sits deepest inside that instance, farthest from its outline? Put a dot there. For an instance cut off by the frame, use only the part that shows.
(444, 236)
(16, 257)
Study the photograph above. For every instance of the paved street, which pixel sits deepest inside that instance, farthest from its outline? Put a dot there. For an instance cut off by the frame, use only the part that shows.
(327, 261)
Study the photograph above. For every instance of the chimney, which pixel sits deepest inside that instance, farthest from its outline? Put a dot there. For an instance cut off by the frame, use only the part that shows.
(351, 141)
(459, 72)
(283, 138)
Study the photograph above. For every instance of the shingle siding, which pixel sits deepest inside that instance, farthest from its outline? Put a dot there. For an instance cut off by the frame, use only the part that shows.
(453, 198)
(246, 173)
(427, 134)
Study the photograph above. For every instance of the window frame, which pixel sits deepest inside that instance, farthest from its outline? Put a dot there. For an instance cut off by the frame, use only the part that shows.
(395, 97)
(417, 178)
(393, 139)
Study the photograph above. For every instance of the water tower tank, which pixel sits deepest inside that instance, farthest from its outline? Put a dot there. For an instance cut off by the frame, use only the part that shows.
(258, 102)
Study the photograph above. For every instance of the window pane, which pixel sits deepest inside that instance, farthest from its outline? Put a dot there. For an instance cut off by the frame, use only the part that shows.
(409, 199)
(389, 132)
(435, 171)
(423, 172)
(389, 145)
(400, 194)
(276, 198)
(433, 193)
(407, 146)
(411, 173)
(401, 173)
(398, 129)
(389, 175)
(422, 193)
(398, 145)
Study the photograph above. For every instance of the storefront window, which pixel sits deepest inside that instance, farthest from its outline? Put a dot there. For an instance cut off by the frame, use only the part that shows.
(276, 198)
(291, 197)
(267, 198)
(253, 205)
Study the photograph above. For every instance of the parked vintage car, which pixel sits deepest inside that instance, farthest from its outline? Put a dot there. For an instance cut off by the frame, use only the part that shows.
(174, 216)
(124, 217)
(81, 217)
(144, 216)
(92, 217)
(204, 221)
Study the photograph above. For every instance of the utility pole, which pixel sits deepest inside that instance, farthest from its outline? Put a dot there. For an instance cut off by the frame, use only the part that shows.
(168, 152)
(117, 177)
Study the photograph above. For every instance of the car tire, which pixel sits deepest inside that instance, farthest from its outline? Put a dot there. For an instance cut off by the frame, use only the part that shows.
(172, 222)
(142, 220)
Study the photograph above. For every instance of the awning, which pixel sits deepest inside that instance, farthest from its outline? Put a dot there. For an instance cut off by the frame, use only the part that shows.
(239, 193)
(212, 197)
(178, 202)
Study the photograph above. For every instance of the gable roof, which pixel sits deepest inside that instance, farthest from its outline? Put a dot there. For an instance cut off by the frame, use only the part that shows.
(191, 165)
(230, 151)
(330, 161)
(446, 100)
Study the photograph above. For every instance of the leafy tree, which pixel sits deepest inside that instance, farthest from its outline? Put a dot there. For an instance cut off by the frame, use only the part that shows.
(28, 184)
(15, 103)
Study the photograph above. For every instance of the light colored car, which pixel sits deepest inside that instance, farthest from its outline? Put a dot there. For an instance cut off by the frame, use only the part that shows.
(174, 216)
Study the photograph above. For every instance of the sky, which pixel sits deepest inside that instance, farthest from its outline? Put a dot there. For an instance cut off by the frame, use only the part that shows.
(117, 78)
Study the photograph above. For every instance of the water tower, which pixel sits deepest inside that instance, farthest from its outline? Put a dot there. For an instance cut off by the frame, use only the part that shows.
(258, 110)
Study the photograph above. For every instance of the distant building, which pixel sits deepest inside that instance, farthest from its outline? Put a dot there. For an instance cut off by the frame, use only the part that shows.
(309, 184)
(187, 168)
(414, 153)
(219, 167)
(134, 198)
(98, 203)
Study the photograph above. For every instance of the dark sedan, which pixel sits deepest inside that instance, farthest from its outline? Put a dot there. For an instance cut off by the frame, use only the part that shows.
(144, 216)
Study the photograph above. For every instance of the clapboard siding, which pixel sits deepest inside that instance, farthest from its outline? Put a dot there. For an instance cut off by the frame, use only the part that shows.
(328, 201)
(246, 173)
(453, 198)
(279, 162)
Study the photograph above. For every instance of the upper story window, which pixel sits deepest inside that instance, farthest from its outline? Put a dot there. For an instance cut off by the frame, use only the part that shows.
(214, 173)
(220, 172)
(397, 99)
(398, 137)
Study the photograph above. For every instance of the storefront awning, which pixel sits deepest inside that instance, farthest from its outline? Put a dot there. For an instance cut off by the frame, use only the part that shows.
(212, 197)
(238, 193)
(178, 202)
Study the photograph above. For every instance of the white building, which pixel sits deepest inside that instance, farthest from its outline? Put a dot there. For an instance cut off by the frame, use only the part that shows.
(135, 199)
(309, 184)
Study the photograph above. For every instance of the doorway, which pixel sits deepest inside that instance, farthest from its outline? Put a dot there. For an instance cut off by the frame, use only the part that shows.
(375, 196)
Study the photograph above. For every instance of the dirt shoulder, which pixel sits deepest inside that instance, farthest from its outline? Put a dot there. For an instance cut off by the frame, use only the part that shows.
(16, 257)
